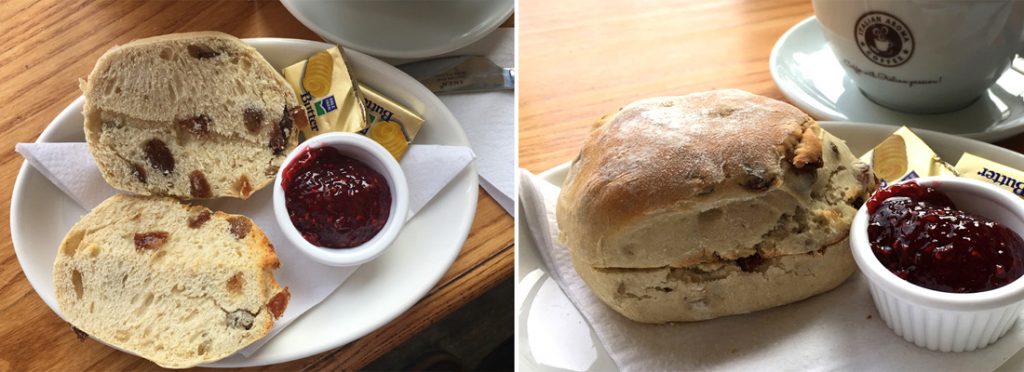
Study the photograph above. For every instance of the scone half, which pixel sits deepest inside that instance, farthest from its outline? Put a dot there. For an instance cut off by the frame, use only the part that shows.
(195, 115)
(176, 284)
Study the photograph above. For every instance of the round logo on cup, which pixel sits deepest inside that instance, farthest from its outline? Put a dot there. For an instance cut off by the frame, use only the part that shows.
(884, 39)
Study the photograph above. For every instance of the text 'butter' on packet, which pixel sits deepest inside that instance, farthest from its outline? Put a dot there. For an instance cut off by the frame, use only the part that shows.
(976, 167)
(328, 92)
(903, 156)
(392, 125)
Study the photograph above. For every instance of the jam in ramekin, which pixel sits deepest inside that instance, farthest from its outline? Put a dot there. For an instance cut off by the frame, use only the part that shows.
(333, 200)
(918, 234)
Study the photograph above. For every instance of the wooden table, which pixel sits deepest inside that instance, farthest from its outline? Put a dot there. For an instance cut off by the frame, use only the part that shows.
(582, 59)
(45, 47)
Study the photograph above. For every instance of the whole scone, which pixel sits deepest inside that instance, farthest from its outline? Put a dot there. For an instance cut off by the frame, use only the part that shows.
(176, 284)
(194, 115)
(710, 204)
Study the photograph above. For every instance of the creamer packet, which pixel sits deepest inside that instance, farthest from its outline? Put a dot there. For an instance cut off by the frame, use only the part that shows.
(392, 125)
(328, 92)
(903, 156)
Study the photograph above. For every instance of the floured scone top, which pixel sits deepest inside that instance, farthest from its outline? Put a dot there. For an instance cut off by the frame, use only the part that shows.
(708, 177)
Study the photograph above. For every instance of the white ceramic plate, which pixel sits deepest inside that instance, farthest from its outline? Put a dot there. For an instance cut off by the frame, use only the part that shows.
(401, 28)
(377, 293)
(554, 336)
(809, 75)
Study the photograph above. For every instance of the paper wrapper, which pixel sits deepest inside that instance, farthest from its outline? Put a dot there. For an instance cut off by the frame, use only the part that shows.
(328, 92)
(903, 156)
(973, 166)
(392, 125)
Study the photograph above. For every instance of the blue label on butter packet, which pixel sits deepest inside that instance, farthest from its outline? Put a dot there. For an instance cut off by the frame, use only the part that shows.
(326, 105)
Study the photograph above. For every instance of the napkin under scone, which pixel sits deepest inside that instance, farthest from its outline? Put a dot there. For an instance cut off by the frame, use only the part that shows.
(711, 204)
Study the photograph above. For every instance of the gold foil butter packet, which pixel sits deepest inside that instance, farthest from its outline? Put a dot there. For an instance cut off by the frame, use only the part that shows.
(328, 92)
(392, 125)
(973, 166)
(903, 156)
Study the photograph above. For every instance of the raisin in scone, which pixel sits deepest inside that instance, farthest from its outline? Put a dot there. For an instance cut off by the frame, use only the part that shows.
(194, 115)
(176, 284)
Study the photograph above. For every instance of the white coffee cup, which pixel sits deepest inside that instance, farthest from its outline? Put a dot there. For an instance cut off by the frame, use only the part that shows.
(923, 56)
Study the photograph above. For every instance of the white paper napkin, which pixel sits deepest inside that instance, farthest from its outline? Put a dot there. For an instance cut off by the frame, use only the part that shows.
(428, 168)
(838, 330)
(488, 118)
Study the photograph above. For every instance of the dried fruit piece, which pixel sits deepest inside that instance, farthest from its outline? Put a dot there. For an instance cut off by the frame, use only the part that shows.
(750, 263)
(198, 220)
(757, 179)
(200, 51)
(240, 226)
(198, 126)
(253, 119)
(235, 283)
(856, 203)
(150, 240)
(240, 318)
(299, 117)
(280, 133)
(203, 348)
(278, 303)
(243, 186)
(159, 156)
(199, 187)
(138, 172)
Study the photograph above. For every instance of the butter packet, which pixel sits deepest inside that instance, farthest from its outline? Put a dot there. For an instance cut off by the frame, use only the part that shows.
(903, 156)
(392, 125)
(328, 92)
(973, 166)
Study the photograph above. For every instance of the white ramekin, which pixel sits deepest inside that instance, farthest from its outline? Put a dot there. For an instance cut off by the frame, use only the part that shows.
(937, 320)
(376, 157)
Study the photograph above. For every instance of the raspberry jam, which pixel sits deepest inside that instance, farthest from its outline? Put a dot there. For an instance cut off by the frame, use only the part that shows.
(333, 200)
(918, 234)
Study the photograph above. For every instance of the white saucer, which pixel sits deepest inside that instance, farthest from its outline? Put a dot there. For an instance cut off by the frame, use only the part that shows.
(401, 28)
(809, 75)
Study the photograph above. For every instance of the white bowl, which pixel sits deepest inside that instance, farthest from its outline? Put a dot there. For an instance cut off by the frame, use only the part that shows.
(938, 320)
(376, 157)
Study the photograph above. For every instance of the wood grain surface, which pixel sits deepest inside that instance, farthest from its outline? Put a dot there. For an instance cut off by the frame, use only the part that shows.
(582, 59)
(45, 47)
